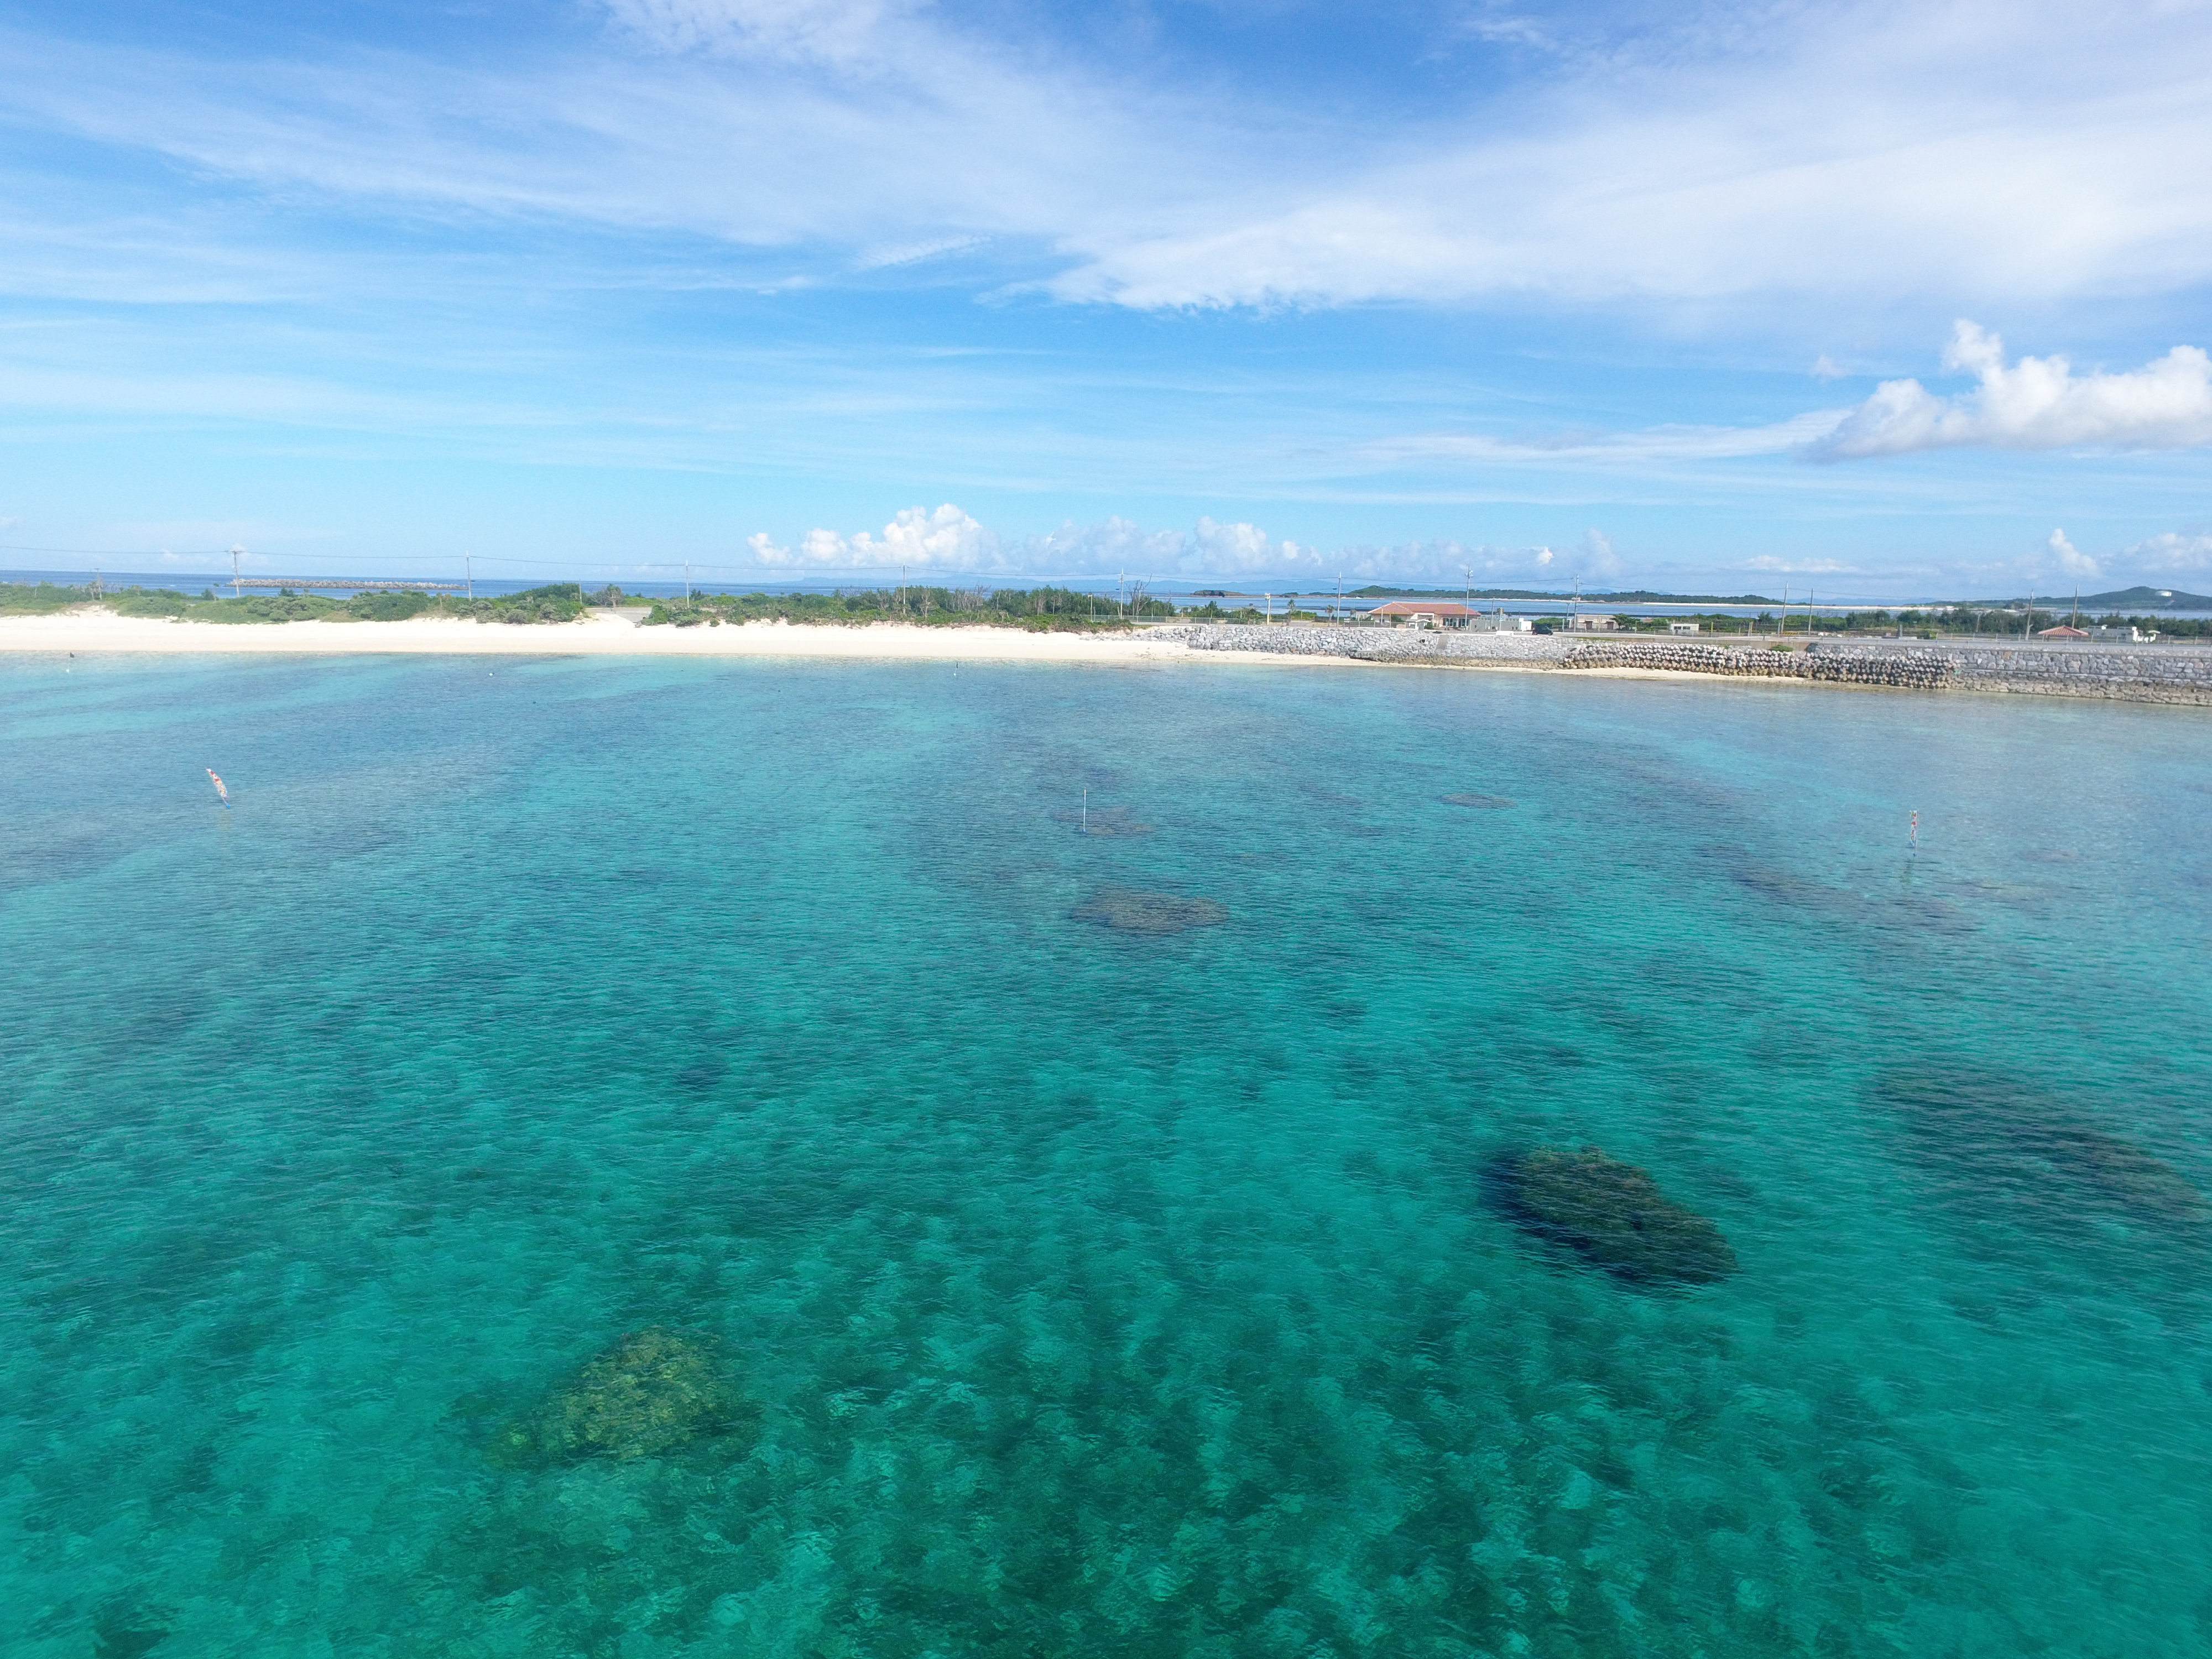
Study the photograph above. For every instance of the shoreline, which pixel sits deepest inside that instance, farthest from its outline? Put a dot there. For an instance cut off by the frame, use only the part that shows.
(97, 633)
(2144, 674)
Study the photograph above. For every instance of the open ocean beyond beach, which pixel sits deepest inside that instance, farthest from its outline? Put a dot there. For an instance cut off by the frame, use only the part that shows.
(1018, 1284)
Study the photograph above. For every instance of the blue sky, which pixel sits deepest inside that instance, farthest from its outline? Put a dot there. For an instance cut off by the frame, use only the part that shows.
(1881, 300)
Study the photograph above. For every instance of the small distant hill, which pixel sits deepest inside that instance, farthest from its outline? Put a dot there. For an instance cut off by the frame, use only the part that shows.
(2136, 599)
(2146, 598)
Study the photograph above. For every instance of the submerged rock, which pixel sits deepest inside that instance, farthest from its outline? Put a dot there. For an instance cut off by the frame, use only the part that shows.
(1494, 801)
(703, 1073)
(1130, 912)
(1613, 1215)
(1999, 1137)
(2127, 1175)
(652, 1392)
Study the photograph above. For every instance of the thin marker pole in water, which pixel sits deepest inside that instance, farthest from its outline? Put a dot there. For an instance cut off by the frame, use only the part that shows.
(1916, 832)
(1087, 812)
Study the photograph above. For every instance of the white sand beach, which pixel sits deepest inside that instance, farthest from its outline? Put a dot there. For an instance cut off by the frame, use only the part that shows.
(599, 635)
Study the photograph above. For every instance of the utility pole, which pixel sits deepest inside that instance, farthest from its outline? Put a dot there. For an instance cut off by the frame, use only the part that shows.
(469, 573)
(687, 584)
(235, 590)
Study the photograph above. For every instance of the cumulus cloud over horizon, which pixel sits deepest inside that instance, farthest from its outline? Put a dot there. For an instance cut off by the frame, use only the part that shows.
(2035, 403)
(2169, 552)
(949, 541)
(2071, 560)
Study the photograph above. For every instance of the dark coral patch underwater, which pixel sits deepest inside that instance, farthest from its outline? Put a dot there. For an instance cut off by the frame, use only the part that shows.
(653, 1391)
(1999, 1138)
(1611, 1214)
(1129, 912)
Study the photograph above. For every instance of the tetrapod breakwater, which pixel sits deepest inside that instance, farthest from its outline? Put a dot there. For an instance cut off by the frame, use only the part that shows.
(2145, 673)
(1919, 671)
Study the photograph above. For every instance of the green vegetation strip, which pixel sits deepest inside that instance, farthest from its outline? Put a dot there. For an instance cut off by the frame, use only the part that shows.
(1043, 610)
(560, 604)
(1038, 609)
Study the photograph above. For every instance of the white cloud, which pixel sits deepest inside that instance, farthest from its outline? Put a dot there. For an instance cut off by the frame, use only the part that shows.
(1826, 367)
(1241, 549)
(1117, 545)
(949, 542)
(1597, 557)
(916, 538)
(2037, 403)
(1769, 563)
(2071, 560)
(2172, 551)
(1651, 444)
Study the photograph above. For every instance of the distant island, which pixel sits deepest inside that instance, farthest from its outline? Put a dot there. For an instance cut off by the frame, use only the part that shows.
(1593, 596)
(2125, 599)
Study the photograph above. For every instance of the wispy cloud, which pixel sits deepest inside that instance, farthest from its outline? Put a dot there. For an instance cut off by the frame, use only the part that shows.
(1853, 151)
(2037, 403)
(2169, 553)
(1652, 443)
(1781, 565)
(1867, 151)
(843, 32)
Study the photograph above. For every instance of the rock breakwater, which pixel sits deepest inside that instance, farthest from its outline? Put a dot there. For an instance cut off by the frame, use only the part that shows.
(1918, 670)
(1375, 644)
(2142, 673)
(2161, 673)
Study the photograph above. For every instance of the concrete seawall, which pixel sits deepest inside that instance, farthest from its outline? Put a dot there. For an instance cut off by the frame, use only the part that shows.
(1408, 645)
(2169, 674)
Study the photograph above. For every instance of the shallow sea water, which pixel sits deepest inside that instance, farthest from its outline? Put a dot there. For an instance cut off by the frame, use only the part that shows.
(1087, 1291)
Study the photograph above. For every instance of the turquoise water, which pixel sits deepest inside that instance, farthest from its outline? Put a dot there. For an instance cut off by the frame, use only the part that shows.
(1088, 1292)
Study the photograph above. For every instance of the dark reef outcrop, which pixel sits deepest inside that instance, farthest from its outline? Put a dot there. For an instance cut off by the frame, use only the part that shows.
(2001, 1139)
(653, 1391)
(1127, 911)
(1611, 1214)
(1495, 802)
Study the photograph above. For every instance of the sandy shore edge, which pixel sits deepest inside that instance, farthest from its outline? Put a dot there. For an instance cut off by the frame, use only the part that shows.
(100, 632)
(95, 633)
